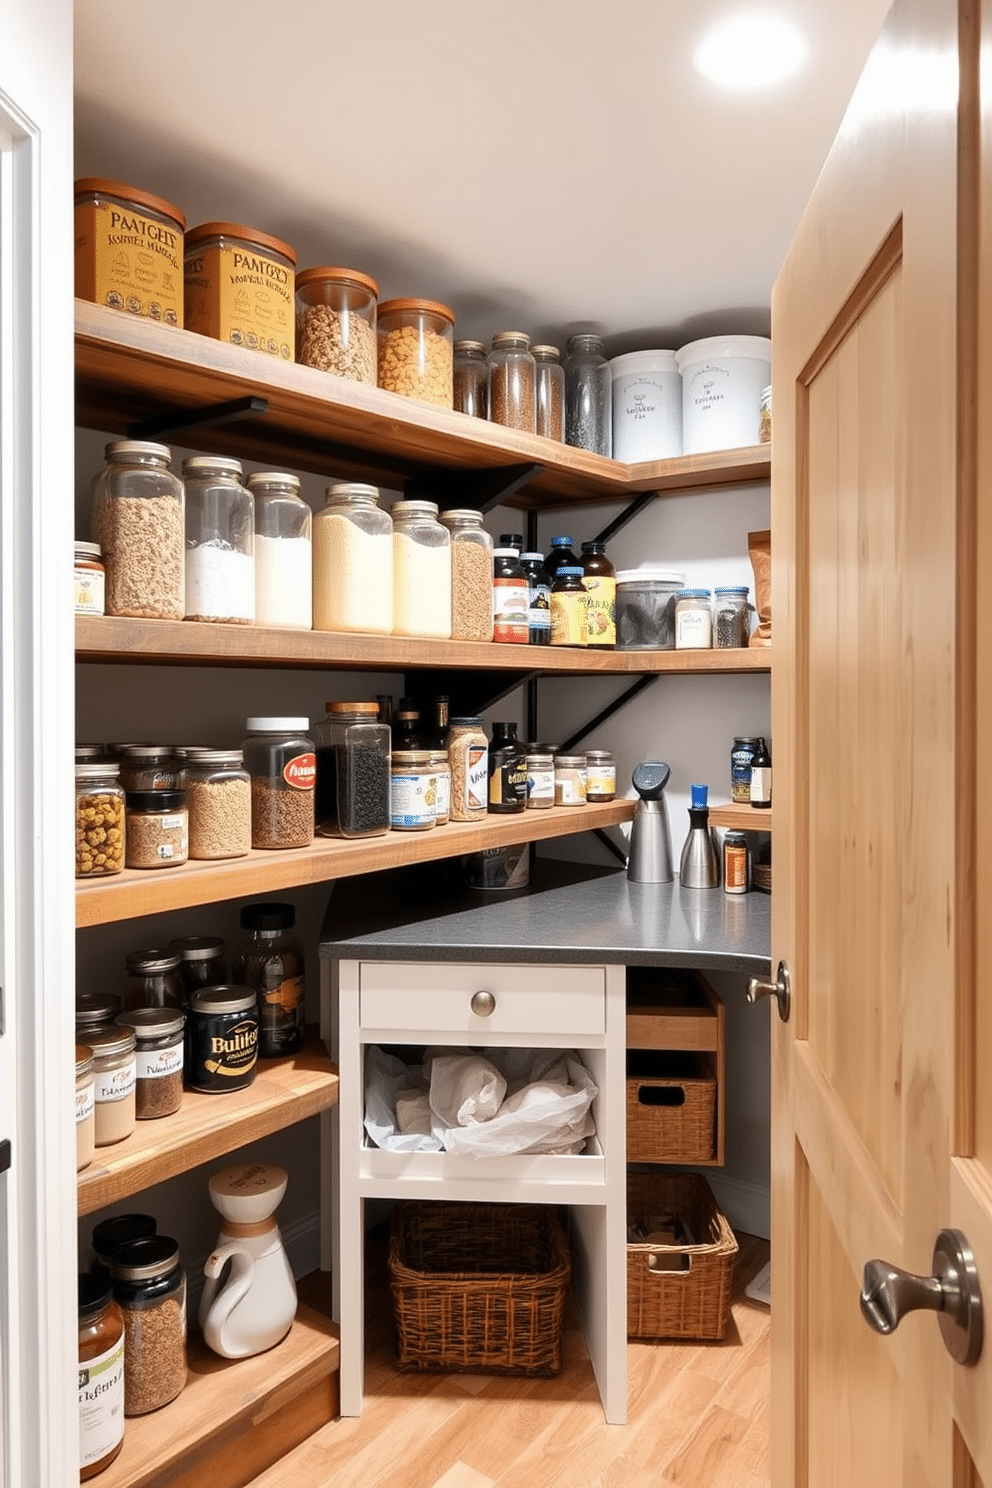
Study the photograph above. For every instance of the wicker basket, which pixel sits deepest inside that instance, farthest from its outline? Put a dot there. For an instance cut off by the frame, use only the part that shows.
(478, 1288)
(671, 1108)
(678, 1290)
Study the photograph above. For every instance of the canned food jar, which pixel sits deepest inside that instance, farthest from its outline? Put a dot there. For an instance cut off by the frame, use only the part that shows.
(99, 820)
(540, 781)
(335, 322)
(413, 791)
(353, 561)
(283, 551)
(114, 1071)
(138, 519)
(221, 1038)
(471, 575)
(512, 382)
(468, 756)
(150, 1289)
(158, 1049)
(471, 379)
(279, 756)
(731, 616)
(152, 979)
(218, 796)
(601, 775)
(736, 863)
(550, 392)
(101, 1375)
(693, 620)
(441, 770)
(148, 767)
(85, 1107)
(421, 571)
(129, 249)
(647, 406)
(240, 287)
(220, 542)
(201, 962)
(353, 790)
(571, 780)
(416, 350)
(157, 829)
(89, 576)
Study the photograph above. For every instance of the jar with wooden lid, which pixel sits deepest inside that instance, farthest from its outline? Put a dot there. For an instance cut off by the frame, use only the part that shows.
(240, 287)
(101, 1375)
(549, 375)
(220, 542)
(149, 1287)
(138, 518)
(217, 788)
(421, 571)
(113, 1082)
(283, 551)
(352, 752)
(129, 249)
(471, 379)
(85, 1107)
(353, 561)
(512, 390)
(152, 979)
(416, 350)
(158, 1034)
(471, 575)
(99, 820)
(335, 322)
(89, 579)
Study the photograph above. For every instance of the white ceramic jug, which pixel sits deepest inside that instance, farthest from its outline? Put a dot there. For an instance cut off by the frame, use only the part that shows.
(253, 1308)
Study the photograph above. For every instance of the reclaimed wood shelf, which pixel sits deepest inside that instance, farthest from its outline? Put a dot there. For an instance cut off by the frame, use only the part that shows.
(130, 370)
(742, 817)
(206, 1127)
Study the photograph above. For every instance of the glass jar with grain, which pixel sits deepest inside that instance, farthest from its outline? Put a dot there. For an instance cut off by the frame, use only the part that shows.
(550, 392)
(218, 797)
(335, 322)
(416, 345)
(471, 575)
(421, 571)
(99, 820)
(471, 379)
(512, 383)
(113, 1084)
(138, 518)
(281, 763)
(588, 395)
(468, 756)
(353, 561)
(158, 1033)
(150, 1289)
(157, 827)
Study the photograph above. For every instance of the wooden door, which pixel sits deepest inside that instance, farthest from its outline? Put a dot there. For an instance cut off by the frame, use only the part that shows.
(882, 1129)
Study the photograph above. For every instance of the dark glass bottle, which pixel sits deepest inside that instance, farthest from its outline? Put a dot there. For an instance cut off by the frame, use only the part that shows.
(600, 580)
(561, 555)
(761, 777)
(512, 540)
(507, 770)
(539, 599)
(271, 963)
(406, 729)
(510, 597)
(438, 737)
(568, 608)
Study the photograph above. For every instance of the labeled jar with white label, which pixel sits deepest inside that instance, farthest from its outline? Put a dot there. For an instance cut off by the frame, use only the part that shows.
(413, 791)
(158, 1034)
(693, 620)
(468, 756)
(353, 561)
(601, 775)
(540, 780)
(90, 579)
(114, 1072)
(156, 827)
(85, 1105)
(279, 756)
(101, 1375)
(571, 780)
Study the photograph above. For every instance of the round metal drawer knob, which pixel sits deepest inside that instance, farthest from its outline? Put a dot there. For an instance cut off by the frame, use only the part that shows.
(483, 1004)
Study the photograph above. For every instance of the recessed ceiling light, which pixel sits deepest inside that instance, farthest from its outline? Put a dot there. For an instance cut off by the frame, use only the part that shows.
(753, 50)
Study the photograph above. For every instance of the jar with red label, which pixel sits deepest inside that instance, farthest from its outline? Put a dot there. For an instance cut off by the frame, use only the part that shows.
(280, 759)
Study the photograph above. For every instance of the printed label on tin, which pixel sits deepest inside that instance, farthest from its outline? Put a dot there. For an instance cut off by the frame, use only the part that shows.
(129, 261)
(241, 295)
(223, 1049)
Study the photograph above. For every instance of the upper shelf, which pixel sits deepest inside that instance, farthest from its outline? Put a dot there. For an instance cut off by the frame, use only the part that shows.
(130, 370)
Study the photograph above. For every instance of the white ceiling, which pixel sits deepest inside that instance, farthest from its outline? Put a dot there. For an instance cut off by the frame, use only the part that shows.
(542, 165)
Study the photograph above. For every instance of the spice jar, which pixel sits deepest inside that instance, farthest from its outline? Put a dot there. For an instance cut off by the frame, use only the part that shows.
(148, 767)
(353, 561)
(99, 820)
(352, 753)
(471, 575)
(736, 863)
(152, 979)
(550, 390)
(89, 577)
(571, 776)
(413, 791)
(120, 1229)
(217, 788)
(150, 1289)
(113, 1084)
(588, 395)
(95, 1010)
(730, 616)
(441, 770)
(85, 1106)
(599, 578)
(601, 775)
(221, 1038)
(693, 620)
(271, 964)
(283, 551)
(507, 770)
(220, 552)
(201, 962)
(335, 322)
(280, 760)
(129, 249)
(138, 519)
(157, 828)
(416, 340)
(239, 287)
(512, 382)
(471, 379)
(158, 1034)
(540, 780)
(569, 603)
(100, 1398)
(468, 756)
(421, 571)
(511, 598)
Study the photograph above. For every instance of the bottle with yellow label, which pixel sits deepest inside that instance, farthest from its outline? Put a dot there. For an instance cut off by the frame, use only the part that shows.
(568, 608)
(600, 580)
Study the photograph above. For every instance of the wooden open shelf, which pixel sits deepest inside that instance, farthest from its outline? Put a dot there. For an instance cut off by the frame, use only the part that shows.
(742, 818)
(206, 1127)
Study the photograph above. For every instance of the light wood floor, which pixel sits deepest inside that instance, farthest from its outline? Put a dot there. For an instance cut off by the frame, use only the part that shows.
(698, 1416)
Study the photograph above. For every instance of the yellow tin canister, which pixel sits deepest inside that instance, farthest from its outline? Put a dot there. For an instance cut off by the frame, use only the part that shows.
(240, 287)
(129, 249)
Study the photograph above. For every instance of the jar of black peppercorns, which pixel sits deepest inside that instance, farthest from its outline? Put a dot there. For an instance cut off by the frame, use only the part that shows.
(352, 751)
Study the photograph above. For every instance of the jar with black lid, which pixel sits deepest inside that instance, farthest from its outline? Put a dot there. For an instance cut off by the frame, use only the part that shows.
(507, 770)
(271, 963)
(120, 1229)
(152, 979)
(101, 1375)
(201, 962)
(158, 1087)
(156, 829)
(150, 1289)
(221, 1038)
(538, 599)
(471, 379)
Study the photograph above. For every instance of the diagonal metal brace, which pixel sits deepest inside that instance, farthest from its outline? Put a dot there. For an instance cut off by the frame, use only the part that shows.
(607, 841)
(609, 710)
(627, 515)
(166, 425)
(480, 489)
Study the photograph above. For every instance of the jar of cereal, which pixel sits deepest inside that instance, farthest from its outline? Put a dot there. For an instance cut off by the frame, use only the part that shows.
(138, 519)
(416, 345)
(99, 820)
(335, 322)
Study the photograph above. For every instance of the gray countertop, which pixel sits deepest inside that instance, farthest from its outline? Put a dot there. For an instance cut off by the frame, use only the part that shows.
(569, 913)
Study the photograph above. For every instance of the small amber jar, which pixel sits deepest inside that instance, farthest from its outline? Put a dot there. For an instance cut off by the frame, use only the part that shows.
(101, 1375)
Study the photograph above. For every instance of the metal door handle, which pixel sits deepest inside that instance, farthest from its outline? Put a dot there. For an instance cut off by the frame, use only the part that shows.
(757, 988)
(483, 1004)
(953, 1292)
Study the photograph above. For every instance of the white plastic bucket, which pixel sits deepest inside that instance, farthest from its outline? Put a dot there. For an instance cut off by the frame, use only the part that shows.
(722, 381)
(647, 406)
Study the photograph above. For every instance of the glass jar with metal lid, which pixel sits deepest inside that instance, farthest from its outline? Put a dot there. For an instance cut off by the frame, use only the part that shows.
(113, 1083)
(220, 541)
(138, 518)
(279, 756)
(588, 395)
(512, 389)
(353, 561)
(271, 963)
(150, 1289)
(540, 779)
(148, 767)
(421, 571)
(144, 281)
(731, 616)
(90, 579)
(471, 379)
(693, 620)
(240, 287)
(471, 575)
(221, 1038)
(119, 1229)
(416, 339)
(156, 829)
(601, 775)
(550, 392)
(283, 551)
(335, 322)
(95, 1010)
(571, 777)
(218, 796)
(85, 1107)
(352, 751)
(152, 979)
(201, 962)
(101, 1375)
(413, 791)
(99, 820)
(158, 1033)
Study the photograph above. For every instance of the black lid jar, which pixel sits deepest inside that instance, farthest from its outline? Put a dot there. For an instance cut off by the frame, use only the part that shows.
(120, 1229)
(221, 1038)
(271, 963)
(150, 1289)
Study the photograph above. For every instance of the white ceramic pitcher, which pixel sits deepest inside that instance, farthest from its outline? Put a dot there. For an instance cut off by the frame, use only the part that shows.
(254, 1306)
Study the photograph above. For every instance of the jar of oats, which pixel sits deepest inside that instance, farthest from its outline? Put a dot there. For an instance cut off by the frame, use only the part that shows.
(99, 820)
(280, 759)
(335, 322)
(471, 575)
(416, 350)
(218, 795)
(138, 518)
(157, 829)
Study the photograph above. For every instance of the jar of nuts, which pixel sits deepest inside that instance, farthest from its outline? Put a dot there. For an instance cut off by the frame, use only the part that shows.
(335, 322)
(138, 518)
(99, 820)
(416, 344)
(512, 395)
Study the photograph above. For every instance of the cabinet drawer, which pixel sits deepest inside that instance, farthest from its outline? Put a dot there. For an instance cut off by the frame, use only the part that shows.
(414, 997)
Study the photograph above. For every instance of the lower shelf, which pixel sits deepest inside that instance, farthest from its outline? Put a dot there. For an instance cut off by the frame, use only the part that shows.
(568, 1178)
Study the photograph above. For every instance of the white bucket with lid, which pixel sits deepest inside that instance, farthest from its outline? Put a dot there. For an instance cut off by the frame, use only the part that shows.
(723, 378)
(647, 406)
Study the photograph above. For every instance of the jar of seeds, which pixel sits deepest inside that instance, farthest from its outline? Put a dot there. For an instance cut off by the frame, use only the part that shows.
(588, 395)
(471, 575)
(730, 616)
(150, 1289)
(335, 322)
(158, 1033)
(471, 379)
(138, 518)
(157, 826)
(352, 791)
(99, 820)
(279, 756)
(218, 795)
(512, 394)
(550, 392)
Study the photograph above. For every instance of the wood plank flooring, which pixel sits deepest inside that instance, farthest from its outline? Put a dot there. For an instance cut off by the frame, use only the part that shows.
(698, 1418)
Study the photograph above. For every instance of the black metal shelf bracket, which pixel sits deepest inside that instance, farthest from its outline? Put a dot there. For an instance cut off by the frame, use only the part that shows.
(619, 702)
(627, 515)
(479, 489)
(607, 841)
(168, 425)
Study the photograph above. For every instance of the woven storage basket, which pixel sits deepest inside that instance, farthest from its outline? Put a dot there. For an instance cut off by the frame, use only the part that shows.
(663, 1299)
(478, 1287)
(671, 1108)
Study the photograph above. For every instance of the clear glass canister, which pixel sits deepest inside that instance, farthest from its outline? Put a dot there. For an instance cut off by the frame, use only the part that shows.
(353, 561)
(113, 1084)
(413, 791)
(512, 382)
(271, 963)
(421, 571)
(239, 287)
(152, 979)
(158, 1034)
(101, 1375)
(352, 793)
(85, 1107)
(99, 820)
(335, 322)
(693, 620)
(279, 756)
(540, 780)
(571, 780)
(416, 346)
(156, 829)
(220, 541)
(731, 617)
(471, 575)
(601, 775)
(138, 518)
(218, 796)
(588, 395)
(550, 387)
(283, 551)
(150, 1289)
(441, 770)
(468, 756)
(89, 576)
(148, 767)
(129, 250)
(201, 961)
(471, 379)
